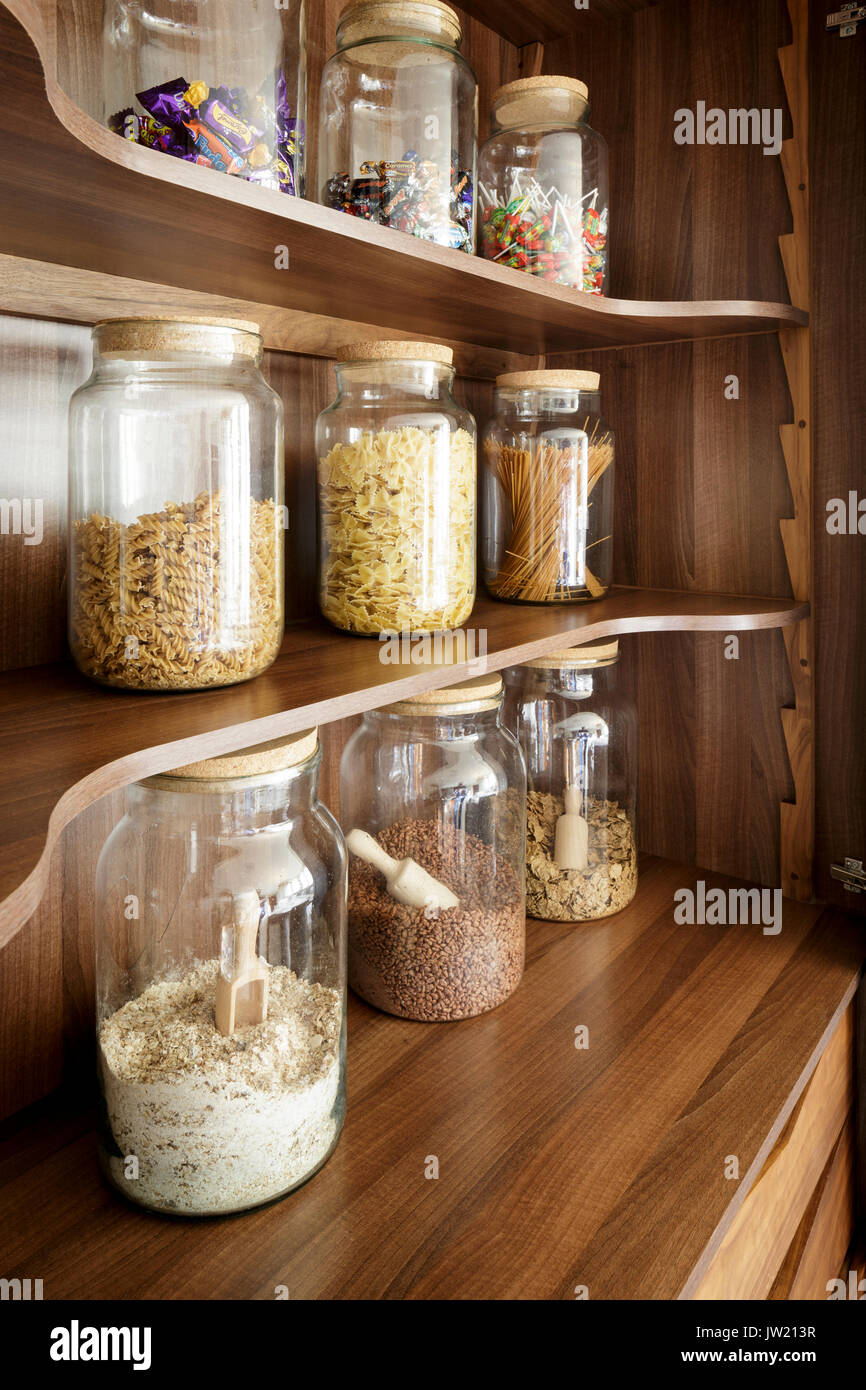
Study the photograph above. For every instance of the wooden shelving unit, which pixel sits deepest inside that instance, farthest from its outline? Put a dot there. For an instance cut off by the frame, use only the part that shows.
(92, 741)
(603, 1168)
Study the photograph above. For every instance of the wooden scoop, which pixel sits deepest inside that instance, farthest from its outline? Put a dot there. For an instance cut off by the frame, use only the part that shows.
(242, 1001)
(571, 844)
(404, 878)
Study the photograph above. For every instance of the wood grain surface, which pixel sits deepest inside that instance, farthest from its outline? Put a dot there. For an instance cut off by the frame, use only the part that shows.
(820, 1244)
(105, 204)
(525, 21)
(559, 1167)
(65, 741)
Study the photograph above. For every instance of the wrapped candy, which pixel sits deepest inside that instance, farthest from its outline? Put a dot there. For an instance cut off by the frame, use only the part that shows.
(411, 195)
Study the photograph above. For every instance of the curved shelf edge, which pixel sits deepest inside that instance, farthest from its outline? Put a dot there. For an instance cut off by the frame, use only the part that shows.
(94, 741)
(119, 206)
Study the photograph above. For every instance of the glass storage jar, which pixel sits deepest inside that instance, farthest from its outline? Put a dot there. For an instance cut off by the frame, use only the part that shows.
(220, 964)
(543, 185)
(176, 509)
(396, 493)
(215, 82)
(432, 797)
(398, 118)
(578, 733)
(547, 490)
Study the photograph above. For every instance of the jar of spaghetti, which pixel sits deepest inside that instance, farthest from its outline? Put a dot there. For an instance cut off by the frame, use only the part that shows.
(396, 493)
(176, 516)
(220, 83)
(398, 121)
(547, 490)
(578, 732)
(543, 184)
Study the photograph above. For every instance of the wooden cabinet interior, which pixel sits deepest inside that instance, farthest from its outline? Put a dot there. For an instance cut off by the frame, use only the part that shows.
(703, 479)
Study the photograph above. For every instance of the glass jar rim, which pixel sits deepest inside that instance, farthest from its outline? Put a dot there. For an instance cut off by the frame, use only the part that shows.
(435, 21)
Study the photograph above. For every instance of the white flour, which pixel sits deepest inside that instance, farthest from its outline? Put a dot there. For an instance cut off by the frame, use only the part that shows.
(216, 1123)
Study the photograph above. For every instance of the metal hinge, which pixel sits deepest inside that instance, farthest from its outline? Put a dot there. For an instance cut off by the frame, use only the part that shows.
(846, 19)
(851, 874)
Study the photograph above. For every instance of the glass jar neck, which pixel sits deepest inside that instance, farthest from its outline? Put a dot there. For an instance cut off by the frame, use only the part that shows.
(398, 19)
(581, 682)
(382, 381)
(536, 401)
(450, 724)
(178, 363)
(238, 801)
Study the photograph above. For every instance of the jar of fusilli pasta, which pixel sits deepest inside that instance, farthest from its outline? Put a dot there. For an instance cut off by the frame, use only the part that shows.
(396, 493)
(176, 515)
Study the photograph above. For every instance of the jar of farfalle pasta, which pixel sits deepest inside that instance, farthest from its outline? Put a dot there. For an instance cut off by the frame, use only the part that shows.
(176, 516)
(396, 493)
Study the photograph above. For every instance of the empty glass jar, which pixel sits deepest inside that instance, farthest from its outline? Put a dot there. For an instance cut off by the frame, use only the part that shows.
(543, 184)
(176, 515)
(398, 120)
(432, 797)
(547, 490)
(396, 493)
(578, 733)
(215, 82)
(220, 975)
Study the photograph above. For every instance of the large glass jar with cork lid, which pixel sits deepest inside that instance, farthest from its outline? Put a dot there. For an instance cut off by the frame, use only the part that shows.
(433, 794)
(398, 119)
(578, 732)
(396, 493)
(543, 184)
(218, 83)
(547, 489)
(220, 977)
(176, 515)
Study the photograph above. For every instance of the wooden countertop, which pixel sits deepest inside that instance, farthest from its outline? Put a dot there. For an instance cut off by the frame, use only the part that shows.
(557, 1166)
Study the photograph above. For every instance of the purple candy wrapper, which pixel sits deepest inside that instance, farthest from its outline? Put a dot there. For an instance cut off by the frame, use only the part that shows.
(166, 102)
(236, 132)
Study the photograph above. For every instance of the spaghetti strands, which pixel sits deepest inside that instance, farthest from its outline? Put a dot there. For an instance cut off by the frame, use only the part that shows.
(178, 599)
(546, 499)
(397, 530)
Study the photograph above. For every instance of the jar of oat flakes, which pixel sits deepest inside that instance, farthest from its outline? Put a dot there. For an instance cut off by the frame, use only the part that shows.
(221, 902)
(433, 797)
(396, 493)
(578, 733)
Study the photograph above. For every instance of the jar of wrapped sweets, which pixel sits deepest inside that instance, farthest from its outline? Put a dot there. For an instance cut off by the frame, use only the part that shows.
(547, 490)
(543, 184)
(396, 493)
(220, 981)
(578, 732)
(220, 83)
(176, 515)
(398, 119)
(432, 798)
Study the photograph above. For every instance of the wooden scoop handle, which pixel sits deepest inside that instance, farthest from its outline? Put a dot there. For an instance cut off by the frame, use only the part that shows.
(368, 849)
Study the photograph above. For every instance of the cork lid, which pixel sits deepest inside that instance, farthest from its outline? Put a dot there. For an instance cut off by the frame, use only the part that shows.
(375, 19)
(593, 654)
(482, 692)
(177, 333)
(392, 351)
(539, 101)
(567, 381)
(275, 756)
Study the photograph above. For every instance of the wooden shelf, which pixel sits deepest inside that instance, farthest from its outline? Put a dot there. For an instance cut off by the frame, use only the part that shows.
(65, 742)
(80, 199)
(558, 1167)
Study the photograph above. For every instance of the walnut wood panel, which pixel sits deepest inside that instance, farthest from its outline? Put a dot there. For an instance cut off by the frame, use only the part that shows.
(531, 20)
(91, 741)
(755, 1244)
(543, 1149)
(818, 1249)
(102, 203)
(838, 176)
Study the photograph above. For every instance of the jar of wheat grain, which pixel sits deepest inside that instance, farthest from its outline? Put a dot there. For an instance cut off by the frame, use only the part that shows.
(176, 515)
(547, 490)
